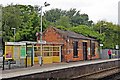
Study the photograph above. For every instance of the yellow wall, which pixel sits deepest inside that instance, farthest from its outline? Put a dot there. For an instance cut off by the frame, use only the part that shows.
(56, 59)
(47, 60)
(47, 55)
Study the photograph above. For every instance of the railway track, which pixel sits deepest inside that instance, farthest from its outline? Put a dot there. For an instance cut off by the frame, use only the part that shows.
(99, 75)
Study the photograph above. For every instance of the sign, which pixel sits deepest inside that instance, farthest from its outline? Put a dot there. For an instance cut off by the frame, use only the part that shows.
(101, 44)
(89, 51)
(8, 52)
(23, 52)
(117, 47)
(42, 42)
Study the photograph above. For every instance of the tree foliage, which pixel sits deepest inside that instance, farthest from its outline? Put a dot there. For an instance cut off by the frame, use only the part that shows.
(10, 18)
(26, 20)
(72, 17)
(86, 31)
(23, 18)
(110, 33)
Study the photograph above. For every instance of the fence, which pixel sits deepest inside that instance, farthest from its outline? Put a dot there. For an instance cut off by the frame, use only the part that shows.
(115, 53)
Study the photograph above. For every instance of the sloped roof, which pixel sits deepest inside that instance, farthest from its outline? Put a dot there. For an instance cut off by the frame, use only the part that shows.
(72, 34)
(31, 42)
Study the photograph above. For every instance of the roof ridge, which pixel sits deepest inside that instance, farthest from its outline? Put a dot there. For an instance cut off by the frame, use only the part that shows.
(72, 34)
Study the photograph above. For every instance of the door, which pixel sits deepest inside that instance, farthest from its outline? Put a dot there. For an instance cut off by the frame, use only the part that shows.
(84, 50)
(56, 54)
(37, 53)
(30, 55)
(47, 54)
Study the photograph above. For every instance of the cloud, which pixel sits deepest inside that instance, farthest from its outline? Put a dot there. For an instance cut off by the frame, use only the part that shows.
(96, 9)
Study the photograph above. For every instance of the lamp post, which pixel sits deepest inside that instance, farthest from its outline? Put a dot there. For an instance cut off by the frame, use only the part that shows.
(40, 9)
(45, 5)
(14, 33)
(101, 44)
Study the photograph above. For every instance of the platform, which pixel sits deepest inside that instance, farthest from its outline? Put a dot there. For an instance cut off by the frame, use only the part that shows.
(48, 67)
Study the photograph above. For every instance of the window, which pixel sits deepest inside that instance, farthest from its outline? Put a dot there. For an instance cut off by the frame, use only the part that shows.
(47, 54)
(55, 53)
(37, 51)
(75, 47)
(29, 51)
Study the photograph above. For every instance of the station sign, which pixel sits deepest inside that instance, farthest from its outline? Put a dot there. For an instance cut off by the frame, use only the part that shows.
(42, 42)
(15, 43)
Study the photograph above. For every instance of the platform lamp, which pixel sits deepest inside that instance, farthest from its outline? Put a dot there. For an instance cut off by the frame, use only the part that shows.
(14, 33)
(40, 9)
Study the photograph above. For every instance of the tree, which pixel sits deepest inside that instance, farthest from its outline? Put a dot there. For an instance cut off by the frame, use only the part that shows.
(64, 21)
(109, 33)
(62, 28)
(10, 18)
(22, 17)
(74, 18)
(26, 20)
(0, 18)
(31, 23)
(53, 15)
(85, 30)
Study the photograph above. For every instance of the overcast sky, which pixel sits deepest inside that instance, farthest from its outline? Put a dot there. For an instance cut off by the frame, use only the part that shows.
(96, 9)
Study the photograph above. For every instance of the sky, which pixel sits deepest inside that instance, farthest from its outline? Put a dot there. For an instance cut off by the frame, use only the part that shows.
(96, 9)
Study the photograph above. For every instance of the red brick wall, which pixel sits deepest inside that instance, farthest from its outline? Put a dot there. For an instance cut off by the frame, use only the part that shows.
(69, 55)
(96, 51)
(50, 35)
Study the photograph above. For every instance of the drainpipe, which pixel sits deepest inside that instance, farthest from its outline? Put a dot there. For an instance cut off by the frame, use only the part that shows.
(90, 50)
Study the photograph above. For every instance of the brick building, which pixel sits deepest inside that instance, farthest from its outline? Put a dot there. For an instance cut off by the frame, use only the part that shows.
(75, 46)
